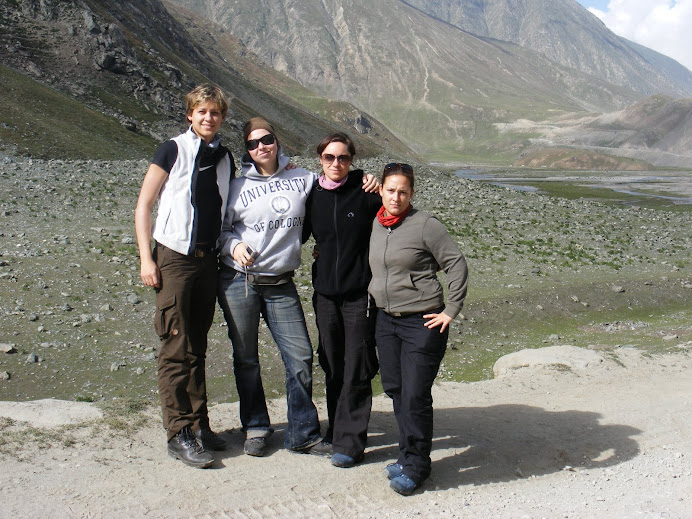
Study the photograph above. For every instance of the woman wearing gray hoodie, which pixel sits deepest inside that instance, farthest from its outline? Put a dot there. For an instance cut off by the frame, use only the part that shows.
(260, 248)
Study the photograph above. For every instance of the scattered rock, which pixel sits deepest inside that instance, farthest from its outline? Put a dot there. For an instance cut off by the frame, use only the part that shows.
(6, 347)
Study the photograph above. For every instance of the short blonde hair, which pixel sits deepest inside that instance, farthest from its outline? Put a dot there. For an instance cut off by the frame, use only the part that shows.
(204, 93)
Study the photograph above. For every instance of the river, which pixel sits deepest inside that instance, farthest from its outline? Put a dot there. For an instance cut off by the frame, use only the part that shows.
(672, 187)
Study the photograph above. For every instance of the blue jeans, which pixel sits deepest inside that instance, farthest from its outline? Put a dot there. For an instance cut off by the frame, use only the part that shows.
(280, 306)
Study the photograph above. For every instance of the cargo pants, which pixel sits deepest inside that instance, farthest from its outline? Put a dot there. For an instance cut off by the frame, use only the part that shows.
(185, 305)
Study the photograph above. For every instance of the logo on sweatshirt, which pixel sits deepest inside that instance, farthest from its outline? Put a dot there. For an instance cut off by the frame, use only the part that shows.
(281, 204)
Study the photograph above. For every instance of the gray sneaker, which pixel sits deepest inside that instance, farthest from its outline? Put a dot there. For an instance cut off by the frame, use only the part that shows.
(393, 470)
(255, 446)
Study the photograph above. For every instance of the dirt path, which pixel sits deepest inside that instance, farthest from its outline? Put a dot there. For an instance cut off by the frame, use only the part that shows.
(612, 440)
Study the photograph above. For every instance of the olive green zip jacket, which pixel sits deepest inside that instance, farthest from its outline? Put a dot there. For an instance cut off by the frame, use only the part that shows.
(405, 260)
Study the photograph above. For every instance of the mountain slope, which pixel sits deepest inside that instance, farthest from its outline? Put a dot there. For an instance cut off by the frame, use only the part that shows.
(130, 63)
(438, 87)
(566, 33)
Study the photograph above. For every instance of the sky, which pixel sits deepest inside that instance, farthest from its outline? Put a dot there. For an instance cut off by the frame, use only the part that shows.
(662, 25)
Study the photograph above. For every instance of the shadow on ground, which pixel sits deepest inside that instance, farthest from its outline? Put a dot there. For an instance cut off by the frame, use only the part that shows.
(508, 442)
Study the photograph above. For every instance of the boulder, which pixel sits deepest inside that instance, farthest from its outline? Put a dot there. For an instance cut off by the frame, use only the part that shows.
(50, 412)
(570, 357)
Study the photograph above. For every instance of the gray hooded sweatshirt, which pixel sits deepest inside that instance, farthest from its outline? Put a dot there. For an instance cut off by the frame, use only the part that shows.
(268, 214)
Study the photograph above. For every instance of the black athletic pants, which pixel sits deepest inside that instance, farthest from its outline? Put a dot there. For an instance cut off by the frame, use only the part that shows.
(347, 355)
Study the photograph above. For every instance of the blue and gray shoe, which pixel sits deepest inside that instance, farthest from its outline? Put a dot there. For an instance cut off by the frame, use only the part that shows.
(344, 461)
(393, 470)
(403, 484)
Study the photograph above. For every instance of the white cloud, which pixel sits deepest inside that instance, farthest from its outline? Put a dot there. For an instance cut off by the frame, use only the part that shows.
(662, 25)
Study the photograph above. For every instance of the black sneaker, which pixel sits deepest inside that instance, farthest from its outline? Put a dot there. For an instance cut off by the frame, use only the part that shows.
(308, 448)
(323, 448)
(210, 440)
(183, 446)
(255, 446)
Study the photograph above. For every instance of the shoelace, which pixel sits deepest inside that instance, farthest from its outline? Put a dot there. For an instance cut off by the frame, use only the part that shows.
(189, 440)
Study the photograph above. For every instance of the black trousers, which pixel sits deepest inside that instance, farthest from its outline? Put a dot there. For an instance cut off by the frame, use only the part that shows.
(410, 357)
(185, 306)
(347, 355)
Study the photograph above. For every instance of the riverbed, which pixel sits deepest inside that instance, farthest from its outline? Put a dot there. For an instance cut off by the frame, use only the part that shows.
(660, 188)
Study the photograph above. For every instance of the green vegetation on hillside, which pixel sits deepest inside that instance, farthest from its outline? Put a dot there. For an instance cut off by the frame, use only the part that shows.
(56, 126)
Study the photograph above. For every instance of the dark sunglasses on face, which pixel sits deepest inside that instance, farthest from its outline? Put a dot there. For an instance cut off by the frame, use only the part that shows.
(265, 139)
(342, 159)
(398, 165)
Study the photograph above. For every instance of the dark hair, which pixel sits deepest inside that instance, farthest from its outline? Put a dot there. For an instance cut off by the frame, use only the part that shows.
(398, 168)
(337, 137)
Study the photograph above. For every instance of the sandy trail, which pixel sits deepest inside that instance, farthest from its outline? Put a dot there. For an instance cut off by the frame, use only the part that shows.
(613, 440)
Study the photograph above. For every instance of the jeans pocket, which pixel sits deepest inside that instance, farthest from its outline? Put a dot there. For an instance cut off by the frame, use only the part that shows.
(371, 364)
(165, 312)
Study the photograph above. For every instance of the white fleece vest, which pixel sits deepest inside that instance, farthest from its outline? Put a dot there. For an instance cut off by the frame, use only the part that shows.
(175, 216)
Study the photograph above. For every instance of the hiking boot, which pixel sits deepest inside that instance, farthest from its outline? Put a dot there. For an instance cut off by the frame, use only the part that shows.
(210, 440)
(403, 484)
(345, 461)
(183, 446)
(255, 446)
(393, 470)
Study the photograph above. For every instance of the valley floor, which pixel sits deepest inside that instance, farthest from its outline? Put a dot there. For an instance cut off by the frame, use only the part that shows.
(611, 440)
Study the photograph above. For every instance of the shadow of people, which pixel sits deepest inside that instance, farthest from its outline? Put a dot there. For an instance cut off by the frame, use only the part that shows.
(499, 443)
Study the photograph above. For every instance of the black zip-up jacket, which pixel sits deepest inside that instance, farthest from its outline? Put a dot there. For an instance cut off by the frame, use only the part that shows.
(341, 222)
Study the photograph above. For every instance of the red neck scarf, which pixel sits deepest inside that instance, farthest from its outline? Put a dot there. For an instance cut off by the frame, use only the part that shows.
(391, 221)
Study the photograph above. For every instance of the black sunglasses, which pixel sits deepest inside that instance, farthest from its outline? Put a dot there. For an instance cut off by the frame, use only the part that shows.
(342, 159)
(265, 139)
(398, 165)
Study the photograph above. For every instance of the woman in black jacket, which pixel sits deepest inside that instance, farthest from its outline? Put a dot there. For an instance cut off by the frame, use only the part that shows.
(339, 216)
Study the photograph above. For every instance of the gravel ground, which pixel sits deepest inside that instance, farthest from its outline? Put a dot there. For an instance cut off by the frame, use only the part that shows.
(608, 438)
(554, 440)
(542, 270)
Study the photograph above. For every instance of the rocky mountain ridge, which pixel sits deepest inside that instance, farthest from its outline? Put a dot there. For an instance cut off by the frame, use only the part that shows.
(132, 61)
(108, 78)
(438, 75)
(566, 33)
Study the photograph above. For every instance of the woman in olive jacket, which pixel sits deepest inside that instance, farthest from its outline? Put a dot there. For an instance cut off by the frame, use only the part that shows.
(407, 248)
